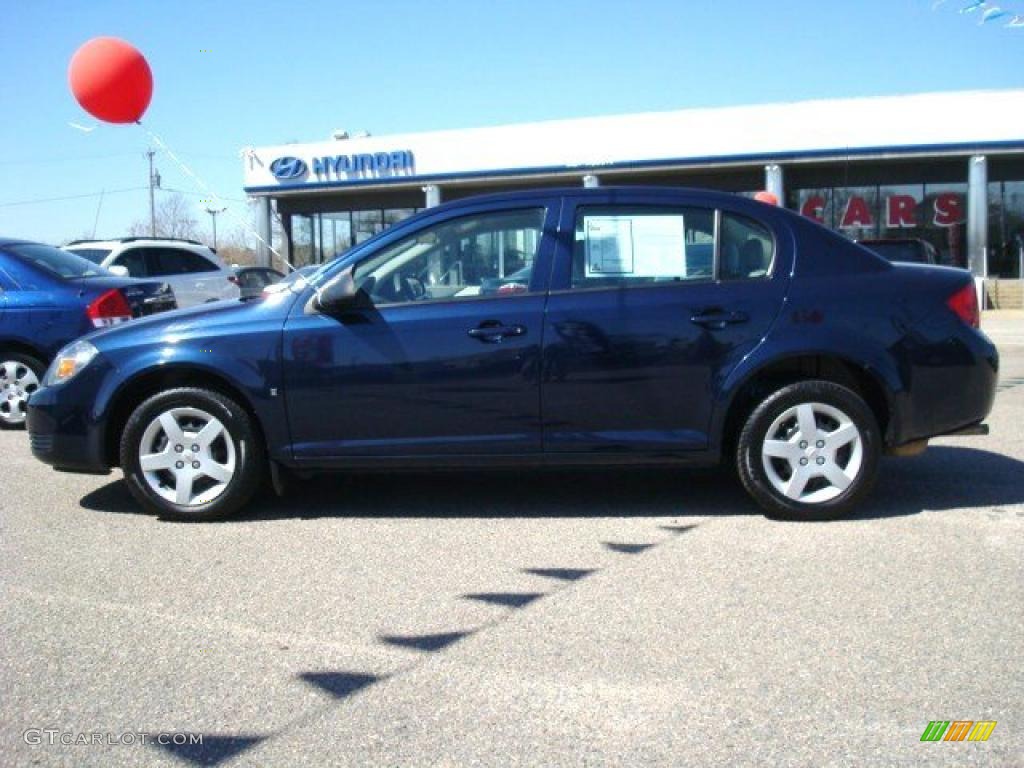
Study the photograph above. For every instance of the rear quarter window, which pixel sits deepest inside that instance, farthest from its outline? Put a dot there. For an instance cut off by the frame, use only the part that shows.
(747, 248)
(95, 255)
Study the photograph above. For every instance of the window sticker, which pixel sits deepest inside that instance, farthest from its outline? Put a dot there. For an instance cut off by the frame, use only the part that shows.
(635, 246)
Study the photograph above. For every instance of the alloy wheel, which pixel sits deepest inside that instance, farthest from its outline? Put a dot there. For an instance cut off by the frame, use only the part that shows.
(17, 382)
(187, 456)
(812, 453)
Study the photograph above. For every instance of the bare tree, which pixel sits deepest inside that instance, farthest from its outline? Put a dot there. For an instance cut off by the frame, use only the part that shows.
(237, 246)
(174, 218)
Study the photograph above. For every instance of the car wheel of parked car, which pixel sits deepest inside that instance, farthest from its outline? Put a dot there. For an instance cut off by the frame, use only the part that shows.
(20, 376)
(191, 454)
(809, 451)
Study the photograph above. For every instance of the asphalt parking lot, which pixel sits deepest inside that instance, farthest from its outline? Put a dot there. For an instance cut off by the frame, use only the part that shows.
(567, 618)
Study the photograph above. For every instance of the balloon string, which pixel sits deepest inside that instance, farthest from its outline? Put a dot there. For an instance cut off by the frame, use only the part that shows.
(203, 186)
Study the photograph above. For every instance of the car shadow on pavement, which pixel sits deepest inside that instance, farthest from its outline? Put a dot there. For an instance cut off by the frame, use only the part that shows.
(483, 494)
(945, 477)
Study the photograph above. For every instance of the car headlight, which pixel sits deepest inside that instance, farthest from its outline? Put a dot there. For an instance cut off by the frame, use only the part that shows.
(69, 361)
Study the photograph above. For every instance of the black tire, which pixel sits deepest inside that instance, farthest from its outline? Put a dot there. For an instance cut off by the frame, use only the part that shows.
(13, 390)
(859, 456)
(248, 458)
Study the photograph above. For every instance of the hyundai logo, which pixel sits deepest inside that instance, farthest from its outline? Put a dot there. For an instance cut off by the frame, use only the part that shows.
(288, 168)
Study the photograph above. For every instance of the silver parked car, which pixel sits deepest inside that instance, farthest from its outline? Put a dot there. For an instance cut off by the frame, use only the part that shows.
(195, 273)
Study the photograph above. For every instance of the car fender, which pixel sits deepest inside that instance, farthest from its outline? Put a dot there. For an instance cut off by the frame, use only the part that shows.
(258, 387)
(781, 345)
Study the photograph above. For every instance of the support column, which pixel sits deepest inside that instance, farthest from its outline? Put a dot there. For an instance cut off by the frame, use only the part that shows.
(433, 195)
(977, 216)
(590, 181)
(265, 230)
(774, 182)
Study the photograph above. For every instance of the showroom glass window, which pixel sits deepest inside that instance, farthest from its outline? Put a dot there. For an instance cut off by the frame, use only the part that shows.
(1006, 229)
(302, 239)
(933, 212)
(317, 238)
(489, 254)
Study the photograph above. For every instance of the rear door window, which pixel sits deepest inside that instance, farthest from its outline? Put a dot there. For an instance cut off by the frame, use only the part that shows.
(134, 260)
(623, 246)
(177, 261)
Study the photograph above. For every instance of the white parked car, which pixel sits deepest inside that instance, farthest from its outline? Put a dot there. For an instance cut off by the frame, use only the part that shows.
(194, 272)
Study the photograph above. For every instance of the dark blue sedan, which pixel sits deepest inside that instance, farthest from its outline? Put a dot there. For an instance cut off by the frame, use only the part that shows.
(652, 326)
(49, 297)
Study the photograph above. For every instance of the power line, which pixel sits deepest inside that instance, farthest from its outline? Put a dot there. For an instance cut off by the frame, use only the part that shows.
(70, 197)
(206, 156)
(201, 195)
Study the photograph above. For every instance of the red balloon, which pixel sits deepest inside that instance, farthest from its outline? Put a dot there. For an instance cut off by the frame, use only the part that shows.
(111, 80)
(764, 196)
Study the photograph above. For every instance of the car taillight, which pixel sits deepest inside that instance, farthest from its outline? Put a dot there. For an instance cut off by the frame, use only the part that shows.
(109, 308)
(965, 304)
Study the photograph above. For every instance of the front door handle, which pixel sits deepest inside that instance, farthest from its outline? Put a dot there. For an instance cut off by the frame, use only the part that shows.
(716, 318)
(492, 332)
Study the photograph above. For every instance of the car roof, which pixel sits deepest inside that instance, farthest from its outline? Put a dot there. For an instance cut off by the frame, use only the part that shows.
(892, 240)
(541, 192)
(135, 239)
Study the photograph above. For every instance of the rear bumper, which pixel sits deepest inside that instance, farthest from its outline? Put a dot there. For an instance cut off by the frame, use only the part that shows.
(974, 429)
(951, 387)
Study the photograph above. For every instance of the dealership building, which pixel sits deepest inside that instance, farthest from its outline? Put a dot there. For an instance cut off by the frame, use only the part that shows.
(946, 167)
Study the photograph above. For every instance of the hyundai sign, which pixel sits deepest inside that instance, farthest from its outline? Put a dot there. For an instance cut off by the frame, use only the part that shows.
(345, 167)
(286, 168)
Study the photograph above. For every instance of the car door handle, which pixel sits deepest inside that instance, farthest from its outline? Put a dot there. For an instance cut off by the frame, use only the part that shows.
(492, 332)
(716, 319)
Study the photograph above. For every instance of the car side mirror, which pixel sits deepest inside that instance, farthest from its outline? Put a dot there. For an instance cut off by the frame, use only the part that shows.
(340, 292)
(118, 269)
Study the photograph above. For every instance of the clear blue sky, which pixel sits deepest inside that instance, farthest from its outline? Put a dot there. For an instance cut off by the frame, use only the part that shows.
(282, 71)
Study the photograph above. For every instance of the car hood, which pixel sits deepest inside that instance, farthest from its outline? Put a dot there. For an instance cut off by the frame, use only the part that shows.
(215, 317)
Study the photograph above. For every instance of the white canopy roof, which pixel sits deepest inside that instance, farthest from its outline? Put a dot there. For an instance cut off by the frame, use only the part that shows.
(929, 122)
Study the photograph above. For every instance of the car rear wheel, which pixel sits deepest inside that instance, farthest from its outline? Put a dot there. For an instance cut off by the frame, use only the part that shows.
(20, 376)
(809, 452)
(191, 454)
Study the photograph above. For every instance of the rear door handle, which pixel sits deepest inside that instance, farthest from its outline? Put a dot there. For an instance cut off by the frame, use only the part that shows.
(716, 319)
(492, 332)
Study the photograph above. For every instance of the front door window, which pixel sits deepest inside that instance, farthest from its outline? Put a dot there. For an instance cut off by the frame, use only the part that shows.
(486, 255)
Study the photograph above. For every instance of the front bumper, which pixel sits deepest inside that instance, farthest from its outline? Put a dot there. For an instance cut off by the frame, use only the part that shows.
(63, 429)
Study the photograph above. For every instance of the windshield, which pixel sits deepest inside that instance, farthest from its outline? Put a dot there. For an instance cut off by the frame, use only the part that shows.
(95, 255)
(57, 262)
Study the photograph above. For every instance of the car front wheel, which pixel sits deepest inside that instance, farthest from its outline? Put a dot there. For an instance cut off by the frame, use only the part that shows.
(191, 454)
(809, 451)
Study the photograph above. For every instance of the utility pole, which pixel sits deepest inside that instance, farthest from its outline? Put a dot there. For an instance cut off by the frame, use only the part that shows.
(154, 181)
(213, 214)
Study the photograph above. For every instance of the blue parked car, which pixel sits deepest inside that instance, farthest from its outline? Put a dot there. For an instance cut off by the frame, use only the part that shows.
(657, 326)
(49, 297)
